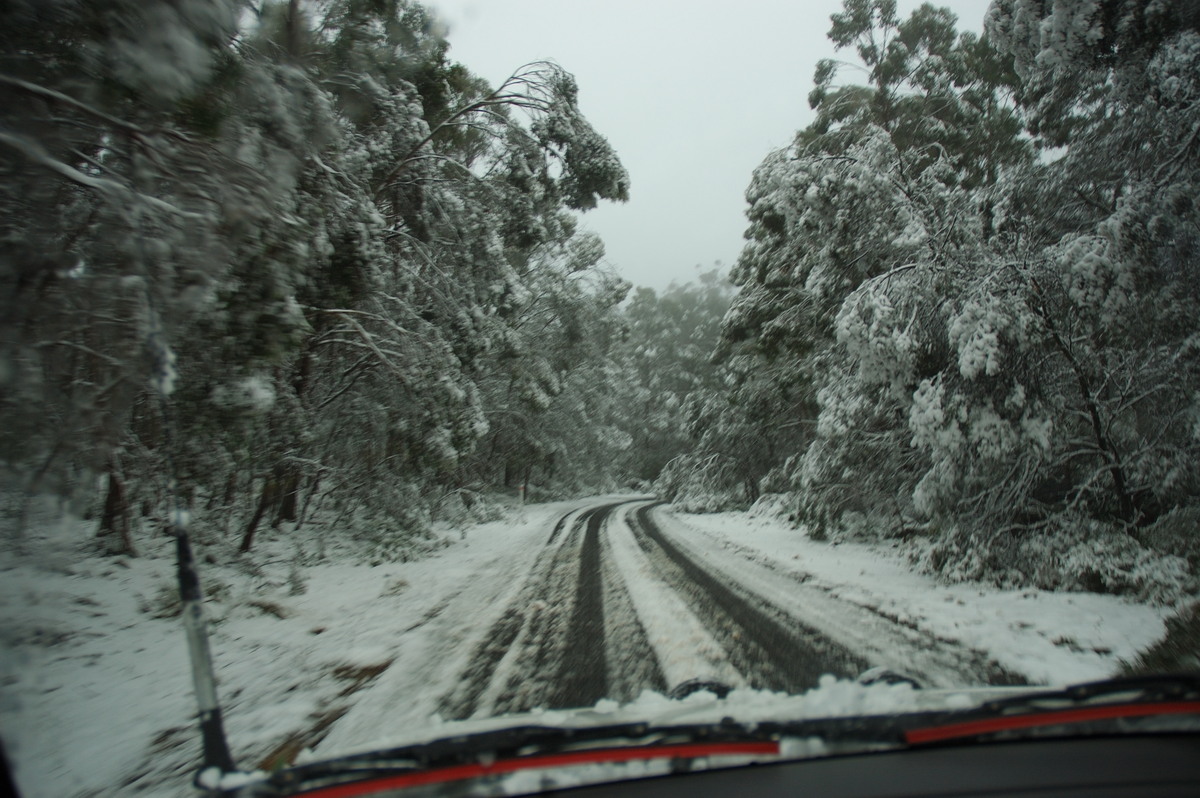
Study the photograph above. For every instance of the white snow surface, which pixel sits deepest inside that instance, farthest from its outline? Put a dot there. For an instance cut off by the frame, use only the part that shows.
(95, 688)
(1047, 637)
(684, 648)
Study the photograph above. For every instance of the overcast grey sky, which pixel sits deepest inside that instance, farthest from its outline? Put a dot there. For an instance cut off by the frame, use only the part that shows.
(691, 93)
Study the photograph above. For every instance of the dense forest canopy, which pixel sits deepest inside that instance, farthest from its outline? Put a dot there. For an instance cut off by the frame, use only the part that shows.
(289, 256)
(350, 265)
(968, 301)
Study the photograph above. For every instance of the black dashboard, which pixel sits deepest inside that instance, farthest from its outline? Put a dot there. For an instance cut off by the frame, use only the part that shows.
(1098, 767)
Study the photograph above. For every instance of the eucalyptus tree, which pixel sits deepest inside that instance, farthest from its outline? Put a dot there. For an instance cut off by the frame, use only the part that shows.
(895, 176)
(984, 332)
(450, 189)
(667, 353)
(122, 203)
(305, 211)
(551, 388)
(1111, 270)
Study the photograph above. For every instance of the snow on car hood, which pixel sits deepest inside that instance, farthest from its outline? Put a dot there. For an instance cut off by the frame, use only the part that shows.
(832, 698)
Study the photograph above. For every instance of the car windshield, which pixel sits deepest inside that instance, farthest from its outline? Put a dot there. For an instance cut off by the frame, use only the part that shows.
(374, 372)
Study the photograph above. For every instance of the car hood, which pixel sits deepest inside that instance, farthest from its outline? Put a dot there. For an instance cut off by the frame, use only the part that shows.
(611, 741)
(832, 698)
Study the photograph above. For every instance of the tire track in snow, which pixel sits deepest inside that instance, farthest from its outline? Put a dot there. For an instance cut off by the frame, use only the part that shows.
(558, 528)
(633, 665)
(569, 638)
(770, 648)
(875, 635)
(524, 611)
(597, 648)
(607, 611)
(477, 582)
(528, 673)
(682, 645)
(583, 674)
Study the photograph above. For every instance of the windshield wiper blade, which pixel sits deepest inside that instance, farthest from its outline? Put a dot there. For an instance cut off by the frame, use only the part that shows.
(1155, 687)
(403, 778)
(529, 747)
(515, 749)
(1135, 697)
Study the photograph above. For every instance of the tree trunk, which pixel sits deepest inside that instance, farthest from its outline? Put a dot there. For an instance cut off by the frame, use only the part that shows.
(114, 521)
(751, 486)
(312, 491)
(266, 500)
(1126, 502)
(231, 491)
(1116, 471)
(289, 490)
(292, 30)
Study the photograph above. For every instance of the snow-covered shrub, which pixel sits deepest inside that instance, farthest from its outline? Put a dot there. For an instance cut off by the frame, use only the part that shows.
(796, 508)
(793, 507)
(1178, 651)
(857, 525)
(956, 556)
(396, 530)
(1075, 555)
(297, 584)
(164, 603)
(695, 499)
(395, 586)
(464, 507)
(703, 484)
(775, 505)
(1176, 532)
(451, 508)
(1116, 563)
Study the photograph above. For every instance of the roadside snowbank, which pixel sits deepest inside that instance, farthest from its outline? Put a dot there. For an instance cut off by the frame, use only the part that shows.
(95, 687)
(1050, 638)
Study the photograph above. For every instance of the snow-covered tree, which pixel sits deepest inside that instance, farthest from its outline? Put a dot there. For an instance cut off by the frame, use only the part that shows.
(122, 205)
(1113, 85)
(888, 188)
(992, 346)
(667, 357)
(321, 231)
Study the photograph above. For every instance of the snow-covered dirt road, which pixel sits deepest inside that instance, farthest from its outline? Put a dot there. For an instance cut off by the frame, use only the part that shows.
(320, 650)
(619, 598)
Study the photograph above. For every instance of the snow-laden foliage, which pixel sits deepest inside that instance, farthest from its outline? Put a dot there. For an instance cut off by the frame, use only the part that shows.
(1077, 554)
(666, 357)
(352, 259)
(944, 334)
(591, 170)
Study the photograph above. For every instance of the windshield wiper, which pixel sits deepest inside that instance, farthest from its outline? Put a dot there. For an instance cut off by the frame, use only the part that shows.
(519, 748)
(1109, 700)
(531, 747)
(1155, 687)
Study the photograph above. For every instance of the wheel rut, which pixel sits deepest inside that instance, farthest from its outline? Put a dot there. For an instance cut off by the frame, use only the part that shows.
(572, 635)
(770, 648)
(583, 674)
(935, 661)
(633, 665)
(569, 638)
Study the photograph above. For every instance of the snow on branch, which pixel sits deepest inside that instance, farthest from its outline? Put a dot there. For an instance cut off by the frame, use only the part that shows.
(37, 154)
(531, 88)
